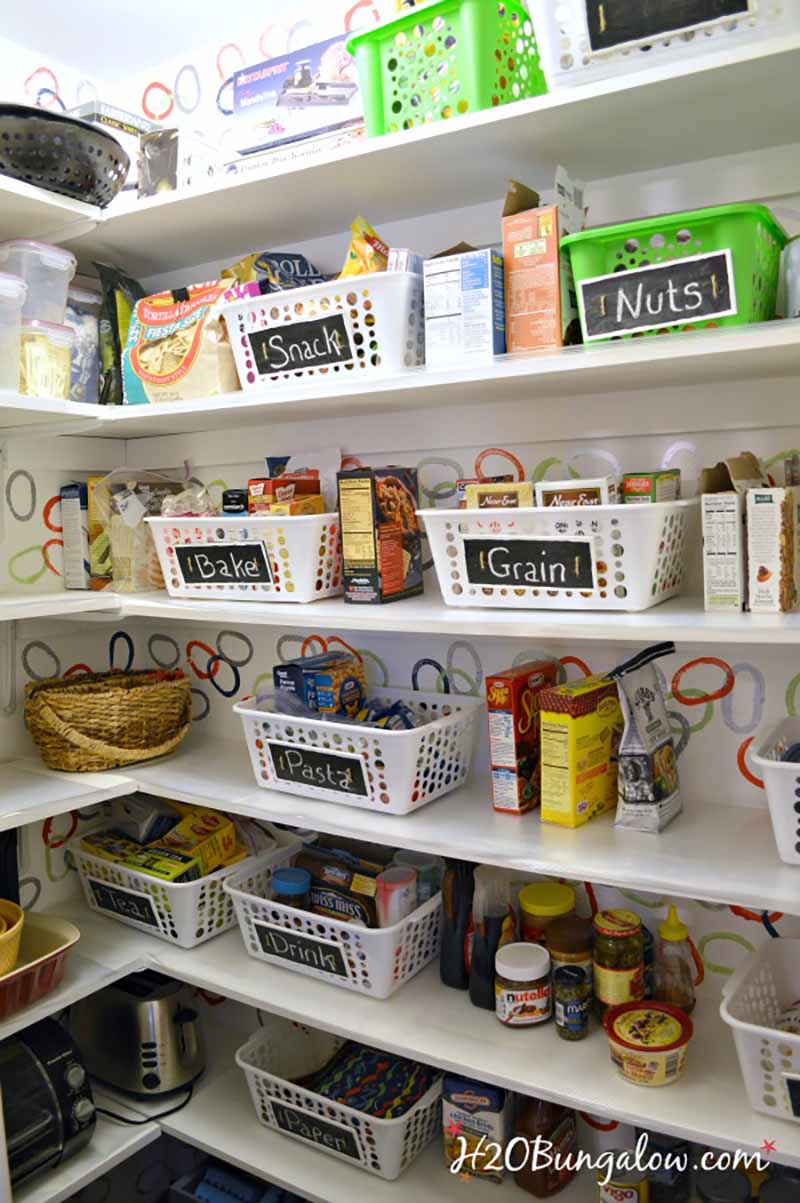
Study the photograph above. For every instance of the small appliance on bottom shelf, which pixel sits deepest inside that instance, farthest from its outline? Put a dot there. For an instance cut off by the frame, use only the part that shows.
(48, 1107)
(141, 1035)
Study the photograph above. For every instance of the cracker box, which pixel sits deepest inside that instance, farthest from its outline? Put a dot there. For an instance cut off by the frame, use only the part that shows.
(643, 488)
(464, 307)
(381, 540)
(773, 549)
(581, 724)
(512, 699)
(480, 1117)
(488, 496)
(599, 490)
(75, 527)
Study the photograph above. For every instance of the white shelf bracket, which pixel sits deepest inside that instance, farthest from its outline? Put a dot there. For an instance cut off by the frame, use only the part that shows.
(8, 667)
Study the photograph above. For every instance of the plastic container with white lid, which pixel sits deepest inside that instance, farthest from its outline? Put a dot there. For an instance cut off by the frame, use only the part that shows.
(44, 359)
(83, 317)
(47, 271)
(12, 298)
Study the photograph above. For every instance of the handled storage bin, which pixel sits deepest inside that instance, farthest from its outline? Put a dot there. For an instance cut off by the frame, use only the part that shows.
(184, 913)
(728, 256)
(446, 59)
(391, 772)
(251, 558)
(355, 329)
(282, 1052)
(373, 961)
(587, 40)
(610, 557)
(782, 785)
(752, 1001)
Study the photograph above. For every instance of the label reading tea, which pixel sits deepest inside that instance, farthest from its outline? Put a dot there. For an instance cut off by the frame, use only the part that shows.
(224, 564)
(320, 768)
(615, 23)
(334, 1137)
(297, 345)
(678, 293)
(546, 563)
(126, 903)
(301, 950)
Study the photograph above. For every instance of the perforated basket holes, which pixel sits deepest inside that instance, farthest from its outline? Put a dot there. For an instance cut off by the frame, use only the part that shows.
(353, 942)
(672, 552)
(766, 270)
(418, 944)
(353, 301)
(214, 911)
(157, 892)
(424, 1125)
(574, 50)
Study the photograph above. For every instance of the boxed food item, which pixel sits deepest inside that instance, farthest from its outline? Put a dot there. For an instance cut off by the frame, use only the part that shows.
(98, 518)
(264, 492)
(178, 347)
(464, 308)
(381, 540)
(172, 160)
(643, 488)
(724, 491)
(461, 486)
(142, 818)
(205, 835)
(598, 490)
(134, 560)
(300, 505)
(168, 864)
(773, 549)
(541, 303)
(340, 685)
(479, 1117)
(299, 676)
(488, 496)
(512, 699)
(75, 534)
(581, 728)
(343, 886)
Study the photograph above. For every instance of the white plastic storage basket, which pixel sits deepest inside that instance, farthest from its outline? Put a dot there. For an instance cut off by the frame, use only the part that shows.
(391, 772)
(185, 913)
(586, 40)
(373, 961)
(610, 557)
(358, 328)
(251, 558)
(782, 784)
(281, 1053)
(752, 1002)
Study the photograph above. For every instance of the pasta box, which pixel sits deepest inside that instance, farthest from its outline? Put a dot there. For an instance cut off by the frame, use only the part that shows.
(381, 539)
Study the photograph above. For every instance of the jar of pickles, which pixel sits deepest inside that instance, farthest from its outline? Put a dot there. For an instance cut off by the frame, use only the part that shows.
(618, 959)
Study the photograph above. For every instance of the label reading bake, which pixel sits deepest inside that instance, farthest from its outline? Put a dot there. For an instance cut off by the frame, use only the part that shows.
(128, 904)
(298, 345)
(320, 768)
(678, 293)
(334, 1137)
(224, 564)
(614, 23)
(293, 946)
(546, 563)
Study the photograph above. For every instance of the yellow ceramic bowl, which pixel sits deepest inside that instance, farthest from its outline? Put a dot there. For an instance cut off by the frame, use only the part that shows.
(13, 917)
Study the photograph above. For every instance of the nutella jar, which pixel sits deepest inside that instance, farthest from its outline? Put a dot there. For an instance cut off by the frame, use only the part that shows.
(522, 987)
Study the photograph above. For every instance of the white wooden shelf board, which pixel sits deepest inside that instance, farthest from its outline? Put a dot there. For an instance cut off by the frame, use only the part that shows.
(62, 603)
(111, 1144)
(30, 212)
(29, 792)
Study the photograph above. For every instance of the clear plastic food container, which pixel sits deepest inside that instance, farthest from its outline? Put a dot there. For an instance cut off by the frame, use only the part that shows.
(44, 359)
(12, 298)
(47, 271)
(83, 318)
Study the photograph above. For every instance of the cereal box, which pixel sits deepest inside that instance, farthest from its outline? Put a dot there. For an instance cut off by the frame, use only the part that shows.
(512, 699)
(381, 541)
(773, 549)
(477, 1121)
(581, 728)
(464, 307)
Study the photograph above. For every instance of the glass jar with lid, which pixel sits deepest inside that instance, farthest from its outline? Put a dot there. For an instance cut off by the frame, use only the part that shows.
(618, 959)
(540, 903)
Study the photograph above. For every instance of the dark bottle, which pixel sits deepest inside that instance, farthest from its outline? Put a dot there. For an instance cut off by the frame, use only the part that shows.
(457, 887)
(557, 1126)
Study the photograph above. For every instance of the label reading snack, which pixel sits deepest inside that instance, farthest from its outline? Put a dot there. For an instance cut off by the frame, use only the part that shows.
(298, 345)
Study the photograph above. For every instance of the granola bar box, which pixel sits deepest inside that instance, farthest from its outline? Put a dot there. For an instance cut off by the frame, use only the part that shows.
(773, 549)
(381, 541)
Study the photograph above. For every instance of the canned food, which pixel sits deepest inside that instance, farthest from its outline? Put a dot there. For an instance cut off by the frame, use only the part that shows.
(625, 1185)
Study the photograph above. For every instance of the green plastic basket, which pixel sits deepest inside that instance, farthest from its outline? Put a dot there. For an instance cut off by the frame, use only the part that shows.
(750, 232)
(444, 60)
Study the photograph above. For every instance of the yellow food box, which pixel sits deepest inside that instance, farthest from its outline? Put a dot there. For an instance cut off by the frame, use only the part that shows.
(207, 835)
(581, 725)
(299, 505)
(168, 864)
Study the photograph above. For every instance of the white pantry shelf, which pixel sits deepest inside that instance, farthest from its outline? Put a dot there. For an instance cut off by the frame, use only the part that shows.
(61, 603)
(111, 1144)
(30, 212)
(29, 792)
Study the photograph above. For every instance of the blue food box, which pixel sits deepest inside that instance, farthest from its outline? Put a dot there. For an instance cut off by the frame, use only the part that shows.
(464, 307)
(298, 95)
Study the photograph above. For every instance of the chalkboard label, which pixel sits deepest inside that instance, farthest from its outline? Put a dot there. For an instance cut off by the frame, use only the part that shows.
(224, 564)
(614, 23)
(793, 1090)
(129, 904)
(544, 563)
(293, 946)
(320, 768)
(678, 293)
(295, 345)
(334, 1137)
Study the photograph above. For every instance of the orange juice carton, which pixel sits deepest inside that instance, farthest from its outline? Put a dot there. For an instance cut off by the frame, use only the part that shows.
(581, 725)
(512, 699)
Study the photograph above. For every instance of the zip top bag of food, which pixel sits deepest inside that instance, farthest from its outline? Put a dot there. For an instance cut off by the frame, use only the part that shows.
(648, 788)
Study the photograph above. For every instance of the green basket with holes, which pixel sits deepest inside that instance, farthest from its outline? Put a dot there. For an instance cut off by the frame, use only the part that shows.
(683, 271)
(444, 60)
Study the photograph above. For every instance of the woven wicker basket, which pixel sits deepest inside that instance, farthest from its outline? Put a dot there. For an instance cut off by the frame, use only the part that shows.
(96, 721)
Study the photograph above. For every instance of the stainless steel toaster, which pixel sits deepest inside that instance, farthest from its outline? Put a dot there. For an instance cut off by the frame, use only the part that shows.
(141, 1035)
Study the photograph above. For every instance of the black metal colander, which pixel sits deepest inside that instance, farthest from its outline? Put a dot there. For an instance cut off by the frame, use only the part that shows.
(61, 154)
